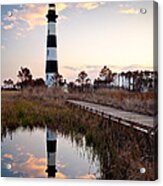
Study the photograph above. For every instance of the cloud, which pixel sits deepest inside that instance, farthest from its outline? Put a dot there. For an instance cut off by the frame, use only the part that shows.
(35, 167)
(129, 11)
(83, 67)
(9, 156)
(71, 72)
(61, 6)
(88, 68)
(8, 26)
(62, 18)
(88, 176)
(32, 166)
(60, 165)
(31, 14)
(71, 68)
(136, 67)
(90, 5)
(93, 66)
(60, 175)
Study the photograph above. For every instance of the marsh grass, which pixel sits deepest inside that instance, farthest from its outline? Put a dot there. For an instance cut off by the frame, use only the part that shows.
(139, 102)
(121, 151)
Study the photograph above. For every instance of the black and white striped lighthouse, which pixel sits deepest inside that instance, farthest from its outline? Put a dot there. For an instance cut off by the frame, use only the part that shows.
(51, 61)
(51, 138)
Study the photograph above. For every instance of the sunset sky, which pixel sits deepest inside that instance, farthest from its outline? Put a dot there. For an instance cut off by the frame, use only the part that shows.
(89, 36)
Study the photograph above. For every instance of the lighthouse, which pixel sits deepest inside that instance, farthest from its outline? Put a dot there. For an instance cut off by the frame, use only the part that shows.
(51, 139)
(51, 59)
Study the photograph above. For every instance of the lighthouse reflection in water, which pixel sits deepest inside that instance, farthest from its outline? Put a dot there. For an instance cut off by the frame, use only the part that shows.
(51, 138)
(43, 152)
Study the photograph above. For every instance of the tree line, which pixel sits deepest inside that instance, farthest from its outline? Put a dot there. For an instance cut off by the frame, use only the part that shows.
(26, 79)
(130, 80)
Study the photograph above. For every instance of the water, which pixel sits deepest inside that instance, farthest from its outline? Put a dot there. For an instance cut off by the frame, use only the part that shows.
(24, 154)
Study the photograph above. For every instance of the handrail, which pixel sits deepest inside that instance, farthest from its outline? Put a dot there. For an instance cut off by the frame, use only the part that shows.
(134, 124)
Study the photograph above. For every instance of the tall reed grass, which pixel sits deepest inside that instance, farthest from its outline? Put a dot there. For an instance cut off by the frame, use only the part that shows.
(139, 102)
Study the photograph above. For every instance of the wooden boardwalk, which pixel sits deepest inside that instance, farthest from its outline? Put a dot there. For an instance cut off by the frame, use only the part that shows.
(144, 123)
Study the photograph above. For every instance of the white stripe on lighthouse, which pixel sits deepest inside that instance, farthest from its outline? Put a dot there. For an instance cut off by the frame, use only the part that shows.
(51, 28)
(52, 159)
(51, 54)
(51, 136)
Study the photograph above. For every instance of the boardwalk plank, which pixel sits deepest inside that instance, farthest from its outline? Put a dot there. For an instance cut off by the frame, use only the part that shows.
(130, 117)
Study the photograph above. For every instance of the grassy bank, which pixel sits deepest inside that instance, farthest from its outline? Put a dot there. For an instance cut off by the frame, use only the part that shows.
(31, 107)
(121, 151)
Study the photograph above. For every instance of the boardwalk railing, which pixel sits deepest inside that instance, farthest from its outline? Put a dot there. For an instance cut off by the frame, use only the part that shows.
(143, 123)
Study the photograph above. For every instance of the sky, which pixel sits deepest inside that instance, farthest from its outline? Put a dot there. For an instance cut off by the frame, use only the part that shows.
(89, 36)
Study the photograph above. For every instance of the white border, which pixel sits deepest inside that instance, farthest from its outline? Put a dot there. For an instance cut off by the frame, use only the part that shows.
(40, 182)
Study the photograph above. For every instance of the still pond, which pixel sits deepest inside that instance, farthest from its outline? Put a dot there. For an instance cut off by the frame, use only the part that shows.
(25, 154)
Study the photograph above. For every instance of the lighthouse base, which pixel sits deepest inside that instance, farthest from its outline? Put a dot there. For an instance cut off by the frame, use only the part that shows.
(51, 80)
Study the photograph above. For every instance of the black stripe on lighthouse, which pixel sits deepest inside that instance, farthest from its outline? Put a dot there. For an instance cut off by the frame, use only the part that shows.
(52, 42)
(51, 67)
(51, 146)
